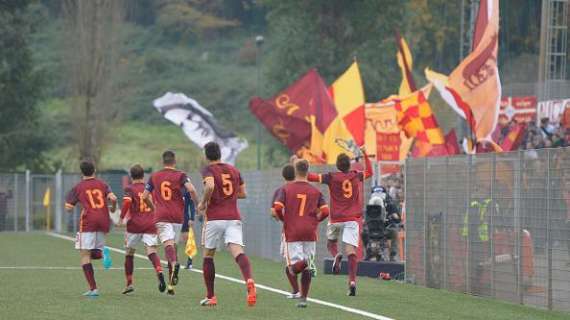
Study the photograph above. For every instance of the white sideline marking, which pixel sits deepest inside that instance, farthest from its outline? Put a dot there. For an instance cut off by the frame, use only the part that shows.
(59, 268)
(260, 286)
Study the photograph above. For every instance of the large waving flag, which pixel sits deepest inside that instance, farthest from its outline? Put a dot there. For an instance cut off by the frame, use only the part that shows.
(289, 114)
(199, 124)
(346, 132)
(473, 89)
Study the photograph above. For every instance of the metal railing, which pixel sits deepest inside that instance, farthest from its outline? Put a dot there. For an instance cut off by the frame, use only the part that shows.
(494, 225)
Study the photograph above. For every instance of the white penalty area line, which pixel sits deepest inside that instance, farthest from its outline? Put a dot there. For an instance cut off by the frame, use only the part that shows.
(259, 286)
(60, 268)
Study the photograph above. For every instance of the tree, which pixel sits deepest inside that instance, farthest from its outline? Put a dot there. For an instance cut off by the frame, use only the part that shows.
(21, 138)
(91, 55)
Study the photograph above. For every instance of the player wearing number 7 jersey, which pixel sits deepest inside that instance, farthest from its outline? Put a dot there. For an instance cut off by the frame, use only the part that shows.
(223, 186)
(139, 218)
(94, 195)
(301, 207)
(168, 203)
(345, 188)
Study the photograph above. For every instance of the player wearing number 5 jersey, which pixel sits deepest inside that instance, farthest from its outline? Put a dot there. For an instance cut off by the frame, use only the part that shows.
(168, 204)
(345, 188)
(94, 195)
(301, 207)
(223, 186)
(139, 218)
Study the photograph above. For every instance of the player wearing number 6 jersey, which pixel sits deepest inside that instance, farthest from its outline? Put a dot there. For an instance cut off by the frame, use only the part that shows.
(140, 227)
(94, 195)
(301, 207)
(345, 188)
(223, 186)
(166, 186)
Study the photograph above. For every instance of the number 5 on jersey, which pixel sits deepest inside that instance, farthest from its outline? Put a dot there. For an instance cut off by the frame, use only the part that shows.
(227, 185)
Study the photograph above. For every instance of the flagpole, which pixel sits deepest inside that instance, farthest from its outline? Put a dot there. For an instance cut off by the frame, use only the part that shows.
(258, 42)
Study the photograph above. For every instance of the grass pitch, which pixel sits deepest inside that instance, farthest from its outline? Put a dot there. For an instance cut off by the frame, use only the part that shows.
(35, 293)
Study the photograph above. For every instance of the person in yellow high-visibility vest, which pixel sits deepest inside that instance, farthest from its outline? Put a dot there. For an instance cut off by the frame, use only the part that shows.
(483, 228)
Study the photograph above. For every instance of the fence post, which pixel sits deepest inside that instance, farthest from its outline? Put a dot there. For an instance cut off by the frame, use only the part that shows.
(28, 200)
(16, 202)
(492, 222)
(467, 209)
(548, 233)
(517, 224)
(58, 200)
(406, 198)
(425, 224)
(444, 225)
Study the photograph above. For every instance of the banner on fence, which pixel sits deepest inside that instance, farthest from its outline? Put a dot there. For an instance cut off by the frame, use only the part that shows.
(520, 109)
(552, 109)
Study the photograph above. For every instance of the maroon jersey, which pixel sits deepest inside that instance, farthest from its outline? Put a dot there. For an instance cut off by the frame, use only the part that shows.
(167, 195)
(346, 195)
(302, 202)
(227, 181)
(92, 194)
(141, 216)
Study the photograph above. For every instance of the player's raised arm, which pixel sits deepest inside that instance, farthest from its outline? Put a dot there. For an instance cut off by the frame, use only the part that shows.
(367, 164)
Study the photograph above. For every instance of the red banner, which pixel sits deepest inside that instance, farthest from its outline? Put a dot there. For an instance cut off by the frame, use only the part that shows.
(520, 109)
(388, 146)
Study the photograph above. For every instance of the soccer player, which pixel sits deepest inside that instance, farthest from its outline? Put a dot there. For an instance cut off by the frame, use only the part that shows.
(345, 188)
(223, 186)
(94, 195)
(189, 214)
(288, 173)
(301, 207)
(166, 186)
(140, 227)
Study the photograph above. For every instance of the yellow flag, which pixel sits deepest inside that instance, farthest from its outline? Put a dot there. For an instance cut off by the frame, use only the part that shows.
(405, 62)
(191, 249)
(47, 198)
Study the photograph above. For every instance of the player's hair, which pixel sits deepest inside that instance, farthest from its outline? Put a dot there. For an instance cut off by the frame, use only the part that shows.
(288, 172)
(168, 158)
(343, 162)
(212, 151)
(87, 167)
(137, 172)
(302, 168)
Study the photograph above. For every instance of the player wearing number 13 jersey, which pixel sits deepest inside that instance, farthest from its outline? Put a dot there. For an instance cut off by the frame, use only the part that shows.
(168, 203)
(139, 218)
(345, 188)
(301, 207)
(223, 186)
(94, 195)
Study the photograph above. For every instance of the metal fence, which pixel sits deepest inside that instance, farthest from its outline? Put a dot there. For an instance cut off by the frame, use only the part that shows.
(495, 225)
(22, 207)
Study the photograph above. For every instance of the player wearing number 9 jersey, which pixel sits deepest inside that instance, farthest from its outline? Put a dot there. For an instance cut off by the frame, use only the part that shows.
(168, 203)
(139, 218)
(301, 207)
(223, 185)
(94, 195)
(345, 188)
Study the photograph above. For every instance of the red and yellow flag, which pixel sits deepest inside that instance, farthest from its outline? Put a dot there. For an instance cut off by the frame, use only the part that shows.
(417, 120)
(346, 131)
